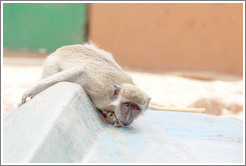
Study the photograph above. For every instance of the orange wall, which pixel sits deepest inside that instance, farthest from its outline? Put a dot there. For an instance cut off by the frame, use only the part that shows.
(171, 36)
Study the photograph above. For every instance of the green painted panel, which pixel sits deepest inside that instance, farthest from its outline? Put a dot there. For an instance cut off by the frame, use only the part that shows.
(41, 25)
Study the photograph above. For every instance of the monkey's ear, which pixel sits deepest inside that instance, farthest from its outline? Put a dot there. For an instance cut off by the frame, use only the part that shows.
(147, 103)
(116, 90)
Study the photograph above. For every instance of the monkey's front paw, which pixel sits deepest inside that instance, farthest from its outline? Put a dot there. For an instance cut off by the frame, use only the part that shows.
(30, 93)
(24, 98)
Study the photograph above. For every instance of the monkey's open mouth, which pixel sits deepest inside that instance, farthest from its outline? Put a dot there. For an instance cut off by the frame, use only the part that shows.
(109, 117)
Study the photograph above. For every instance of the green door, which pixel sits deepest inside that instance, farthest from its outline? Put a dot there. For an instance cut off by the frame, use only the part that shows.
(34, 26)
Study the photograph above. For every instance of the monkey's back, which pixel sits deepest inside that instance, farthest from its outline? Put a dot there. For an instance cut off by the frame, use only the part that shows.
(101, 72)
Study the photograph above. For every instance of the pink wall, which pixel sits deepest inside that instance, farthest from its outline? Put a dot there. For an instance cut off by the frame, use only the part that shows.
(171, 36)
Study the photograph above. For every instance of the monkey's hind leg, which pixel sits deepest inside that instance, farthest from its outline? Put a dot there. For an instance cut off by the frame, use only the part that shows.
(70, 75)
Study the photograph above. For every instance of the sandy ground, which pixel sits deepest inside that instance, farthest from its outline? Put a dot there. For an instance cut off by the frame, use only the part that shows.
(221, 94)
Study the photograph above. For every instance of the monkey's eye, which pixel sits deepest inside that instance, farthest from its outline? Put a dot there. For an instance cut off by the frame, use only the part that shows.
(135, 108)
(126, 104)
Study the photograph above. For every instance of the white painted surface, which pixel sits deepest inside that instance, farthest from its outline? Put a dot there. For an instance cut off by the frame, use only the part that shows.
(60, 126)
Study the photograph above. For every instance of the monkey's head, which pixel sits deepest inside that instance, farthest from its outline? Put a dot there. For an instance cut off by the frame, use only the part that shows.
(129, 102)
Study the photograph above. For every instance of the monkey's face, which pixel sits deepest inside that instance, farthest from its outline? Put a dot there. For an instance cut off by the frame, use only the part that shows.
(128, 102)
(128, 112)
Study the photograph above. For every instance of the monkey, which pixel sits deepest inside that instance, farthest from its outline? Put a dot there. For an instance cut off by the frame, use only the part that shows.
(111, 90)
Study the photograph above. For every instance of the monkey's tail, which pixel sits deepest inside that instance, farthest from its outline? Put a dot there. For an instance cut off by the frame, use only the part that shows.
(163, 108)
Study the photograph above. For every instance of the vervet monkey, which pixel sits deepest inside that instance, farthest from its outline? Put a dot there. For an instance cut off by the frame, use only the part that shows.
(109, 87)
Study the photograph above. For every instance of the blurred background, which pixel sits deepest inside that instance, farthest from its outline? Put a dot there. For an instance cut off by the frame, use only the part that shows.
(181, 54)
